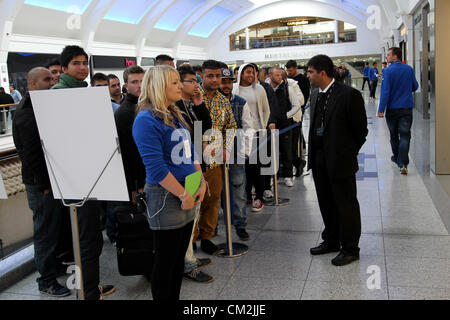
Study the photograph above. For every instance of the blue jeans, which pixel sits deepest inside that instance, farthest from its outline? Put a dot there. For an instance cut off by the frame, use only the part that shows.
(47, 217)
(399, 122)
(238, 200)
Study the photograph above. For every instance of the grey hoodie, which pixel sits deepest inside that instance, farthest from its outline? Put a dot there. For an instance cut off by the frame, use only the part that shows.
(261, 97)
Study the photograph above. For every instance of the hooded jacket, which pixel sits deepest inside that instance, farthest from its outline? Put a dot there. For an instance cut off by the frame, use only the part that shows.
(261, 96)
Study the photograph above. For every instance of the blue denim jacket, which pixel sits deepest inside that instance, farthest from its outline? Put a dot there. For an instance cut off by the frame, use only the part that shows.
(164, 209)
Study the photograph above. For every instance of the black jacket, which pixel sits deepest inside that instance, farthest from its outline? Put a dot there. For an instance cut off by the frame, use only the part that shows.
(132, 161)
(273, 103)
(345, 130)
(284, 106)
(305, 86)
(6, 98)
(28, 145)
(199, 112)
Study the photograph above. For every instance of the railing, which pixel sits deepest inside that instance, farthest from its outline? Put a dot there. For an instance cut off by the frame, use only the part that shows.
(5, 127)
(277, 41)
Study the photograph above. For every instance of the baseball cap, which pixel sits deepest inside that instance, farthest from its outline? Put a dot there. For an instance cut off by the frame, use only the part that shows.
(227, 73)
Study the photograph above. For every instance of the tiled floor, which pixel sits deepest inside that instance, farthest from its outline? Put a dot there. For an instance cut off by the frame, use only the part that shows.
(404, 240)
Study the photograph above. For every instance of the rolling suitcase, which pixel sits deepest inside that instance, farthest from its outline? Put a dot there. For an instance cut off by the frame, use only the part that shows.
(135, 253)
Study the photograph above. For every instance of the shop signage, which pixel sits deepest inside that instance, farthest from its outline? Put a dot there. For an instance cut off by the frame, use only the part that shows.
(108, 62)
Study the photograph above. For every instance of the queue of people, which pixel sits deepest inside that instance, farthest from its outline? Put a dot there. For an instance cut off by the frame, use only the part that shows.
(218, 116)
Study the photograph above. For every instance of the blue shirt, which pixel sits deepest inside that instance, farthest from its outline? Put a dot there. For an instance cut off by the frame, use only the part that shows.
(17, 97)
(115, 106)
(159, 153)
(366, 72)
(373, 72)
(399, 82)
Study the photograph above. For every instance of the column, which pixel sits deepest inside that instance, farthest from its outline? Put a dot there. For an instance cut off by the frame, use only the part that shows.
(336, 32)
(247, 39)
(440, 65)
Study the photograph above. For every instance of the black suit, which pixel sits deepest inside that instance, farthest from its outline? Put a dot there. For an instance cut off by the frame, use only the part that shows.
(333, 160)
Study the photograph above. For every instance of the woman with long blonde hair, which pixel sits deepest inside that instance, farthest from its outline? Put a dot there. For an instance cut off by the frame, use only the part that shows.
(163, 140)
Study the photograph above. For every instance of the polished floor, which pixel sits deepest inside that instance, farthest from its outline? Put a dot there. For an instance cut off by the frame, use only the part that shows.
(405, 244)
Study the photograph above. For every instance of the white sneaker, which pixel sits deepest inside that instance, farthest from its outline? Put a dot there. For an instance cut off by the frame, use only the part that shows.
(288, 182)
(268, 194)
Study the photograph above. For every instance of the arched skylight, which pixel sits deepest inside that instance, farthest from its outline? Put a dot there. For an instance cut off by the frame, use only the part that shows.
(175, 16)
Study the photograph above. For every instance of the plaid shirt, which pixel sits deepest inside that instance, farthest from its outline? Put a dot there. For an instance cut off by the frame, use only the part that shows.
(222, 120)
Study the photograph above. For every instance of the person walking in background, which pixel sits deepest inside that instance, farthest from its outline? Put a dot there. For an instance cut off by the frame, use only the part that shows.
(366, 76)
(373, 78)
(399, 82)
(15, 94)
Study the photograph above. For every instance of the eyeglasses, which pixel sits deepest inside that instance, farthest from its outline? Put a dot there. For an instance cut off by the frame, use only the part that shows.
(190, 81)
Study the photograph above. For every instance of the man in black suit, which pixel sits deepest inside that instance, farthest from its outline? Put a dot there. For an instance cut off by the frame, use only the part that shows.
(338, 130)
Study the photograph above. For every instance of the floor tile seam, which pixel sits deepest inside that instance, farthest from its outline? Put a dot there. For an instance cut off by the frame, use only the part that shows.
(284, 230)
(291, 231)
(307, 274)
(384, 244)
(268, 278)
(443, 236)
(419, 287)
(414, 234)
(340, 283)
(227, 280)
(415, 257)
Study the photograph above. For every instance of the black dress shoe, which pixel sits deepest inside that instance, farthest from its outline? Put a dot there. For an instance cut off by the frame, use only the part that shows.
(344, 259)
(324, 248)
(210, 248)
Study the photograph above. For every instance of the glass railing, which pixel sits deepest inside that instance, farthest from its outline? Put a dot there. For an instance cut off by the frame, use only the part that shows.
(16, 219)
(293, 40)
(284, 41)
(6, 118)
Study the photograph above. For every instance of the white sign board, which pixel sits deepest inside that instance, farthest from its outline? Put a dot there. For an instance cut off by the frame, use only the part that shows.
(79, 134)
(3, 194)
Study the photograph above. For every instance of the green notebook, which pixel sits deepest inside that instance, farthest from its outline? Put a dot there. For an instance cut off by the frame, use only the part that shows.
(193, 182)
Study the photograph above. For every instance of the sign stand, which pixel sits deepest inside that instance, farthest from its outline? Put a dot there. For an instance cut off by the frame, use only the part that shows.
(74, 219)
(232, 250)
(278, 202)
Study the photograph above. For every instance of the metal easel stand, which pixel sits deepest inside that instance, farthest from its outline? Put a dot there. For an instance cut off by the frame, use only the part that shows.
(277, 202)
(232, 250)
(74, 221)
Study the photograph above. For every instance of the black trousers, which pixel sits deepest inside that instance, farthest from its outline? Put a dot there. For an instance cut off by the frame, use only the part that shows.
(286, 155)
(339, 207)
(253, 171)
(298, 143)
(364, 83)
(167, 274)
(91, 245)
(373, 89)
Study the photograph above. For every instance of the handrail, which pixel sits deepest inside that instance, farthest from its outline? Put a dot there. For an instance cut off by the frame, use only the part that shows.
(9, 105)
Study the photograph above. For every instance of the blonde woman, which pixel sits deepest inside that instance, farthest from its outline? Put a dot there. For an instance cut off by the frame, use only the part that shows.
(163, 140)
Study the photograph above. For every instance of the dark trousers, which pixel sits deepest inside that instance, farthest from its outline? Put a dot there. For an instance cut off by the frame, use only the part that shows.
(364, 83)
(373, 89)
(47, 216)
(253, 168)
(399, 122)
(91, 245)
(286, 154)
(297, 146)
(339, 207)
(167, 274)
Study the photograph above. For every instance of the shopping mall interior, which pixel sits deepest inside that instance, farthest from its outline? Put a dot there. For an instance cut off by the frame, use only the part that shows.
(405, 219)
